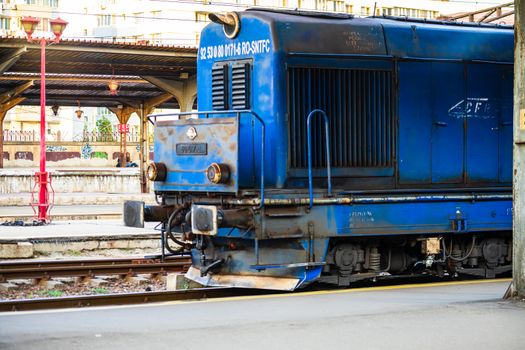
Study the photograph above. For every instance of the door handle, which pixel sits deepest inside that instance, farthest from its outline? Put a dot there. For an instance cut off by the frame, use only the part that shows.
(440, 123)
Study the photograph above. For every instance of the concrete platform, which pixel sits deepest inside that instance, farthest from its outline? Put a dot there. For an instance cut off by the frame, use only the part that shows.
(453, 316)
(70, 180)
(74, 237)
(75, 198)
(64, 212)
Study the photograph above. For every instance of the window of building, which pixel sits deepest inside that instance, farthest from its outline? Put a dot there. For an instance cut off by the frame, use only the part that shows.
(30, 2)
(201, 16)
(104, 20)
(44, 24)
(365, 11)
(139, 17)
(4, 22)
(51, 3)
(308, 4)
(320, 5)
(335, 5)
(156, 38)
(291, 3)
(350, 9)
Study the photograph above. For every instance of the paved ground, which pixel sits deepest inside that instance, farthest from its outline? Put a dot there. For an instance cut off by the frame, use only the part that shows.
(466, 316)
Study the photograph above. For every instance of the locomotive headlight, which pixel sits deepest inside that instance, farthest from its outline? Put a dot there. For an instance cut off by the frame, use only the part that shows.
(156, 172)
(218, 173)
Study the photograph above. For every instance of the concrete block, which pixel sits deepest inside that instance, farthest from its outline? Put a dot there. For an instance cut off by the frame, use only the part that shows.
(139, 279)
(65, 279)
(51, 284)
(5, 287)
(54, 247)
(177, 281)
(144, 243)
(111, 278)
(16, 250)
(98, 282)
(28, 282)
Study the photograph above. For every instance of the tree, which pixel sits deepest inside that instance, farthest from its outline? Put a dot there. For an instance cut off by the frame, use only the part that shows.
(104, 129)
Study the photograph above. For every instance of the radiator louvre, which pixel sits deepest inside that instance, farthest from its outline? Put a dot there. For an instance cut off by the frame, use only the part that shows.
(359, 106)
(240, 84)
(219, 87)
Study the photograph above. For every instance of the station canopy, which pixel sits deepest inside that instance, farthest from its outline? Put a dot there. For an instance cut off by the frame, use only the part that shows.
(78, 72)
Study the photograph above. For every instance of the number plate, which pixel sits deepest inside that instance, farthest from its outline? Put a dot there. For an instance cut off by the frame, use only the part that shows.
(184, 149)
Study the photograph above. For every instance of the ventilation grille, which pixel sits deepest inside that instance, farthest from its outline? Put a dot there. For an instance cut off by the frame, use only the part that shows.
(240, 84)
(219, 87)
(359, 107)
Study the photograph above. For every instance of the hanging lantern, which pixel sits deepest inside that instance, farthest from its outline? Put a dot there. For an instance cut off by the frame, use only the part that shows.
(55, 109)
(113, 87)
(79, 112)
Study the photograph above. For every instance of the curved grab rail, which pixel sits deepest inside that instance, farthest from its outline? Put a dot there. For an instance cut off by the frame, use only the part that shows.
(263, 133)
(153, 118)
(328, 168)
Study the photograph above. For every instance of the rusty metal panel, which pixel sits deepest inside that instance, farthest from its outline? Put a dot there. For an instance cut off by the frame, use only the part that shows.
(189, 147)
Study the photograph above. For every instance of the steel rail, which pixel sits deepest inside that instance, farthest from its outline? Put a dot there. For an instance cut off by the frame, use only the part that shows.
(125, 299)
(89, 268)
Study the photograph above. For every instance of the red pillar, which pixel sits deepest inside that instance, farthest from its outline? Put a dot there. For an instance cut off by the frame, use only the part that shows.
(42, 176)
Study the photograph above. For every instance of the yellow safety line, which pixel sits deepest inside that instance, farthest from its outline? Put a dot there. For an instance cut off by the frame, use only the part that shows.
(340, 291)
(268, 296)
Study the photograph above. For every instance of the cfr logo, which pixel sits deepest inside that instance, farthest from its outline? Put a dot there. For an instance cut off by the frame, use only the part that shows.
(191, 133)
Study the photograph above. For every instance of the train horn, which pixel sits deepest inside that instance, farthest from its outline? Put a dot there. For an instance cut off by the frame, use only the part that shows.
(231, 25)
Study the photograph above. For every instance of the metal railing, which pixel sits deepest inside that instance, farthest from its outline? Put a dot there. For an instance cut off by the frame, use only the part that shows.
(95, 136)
(327, 140)
(20, 136)
(89, 136)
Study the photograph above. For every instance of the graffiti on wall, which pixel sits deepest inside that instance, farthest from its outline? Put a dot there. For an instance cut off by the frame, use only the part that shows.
(56, 148)
(85, 151)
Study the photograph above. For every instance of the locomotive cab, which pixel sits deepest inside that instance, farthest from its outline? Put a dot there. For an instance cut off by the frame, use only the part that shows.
(332, 148)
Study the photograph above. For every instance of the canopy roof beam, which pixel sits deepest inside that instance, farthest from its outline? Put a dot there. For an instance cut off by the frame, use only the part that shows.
(11, 59)
(6, 96)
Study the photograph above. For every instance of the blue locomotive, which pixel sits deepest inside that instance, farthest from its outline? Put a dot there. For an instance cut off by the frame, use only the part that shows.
(335, 149)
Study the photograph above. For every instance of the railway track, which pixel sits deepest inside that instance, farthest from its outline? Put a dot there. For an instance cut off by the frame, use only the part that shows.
(125, 298)
(46, 269)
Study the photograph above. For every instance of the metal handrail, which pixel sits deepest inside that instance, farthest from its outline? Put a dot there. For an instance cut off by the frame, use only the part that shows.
(328, 168)
(238, 113)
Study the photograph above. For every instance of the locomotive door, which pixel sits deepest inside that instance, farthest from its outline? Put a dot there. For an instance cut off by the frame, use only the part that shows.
(482, 113)
(448, 85)
(431, 139)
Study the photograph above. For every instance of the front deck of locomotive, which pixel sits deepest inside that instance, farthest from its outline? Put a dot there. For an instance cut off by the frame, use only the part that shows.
(266, 189)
